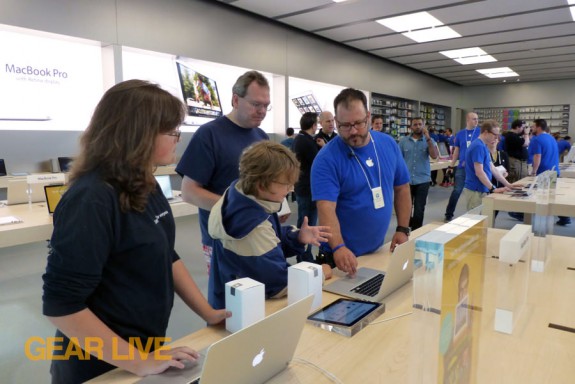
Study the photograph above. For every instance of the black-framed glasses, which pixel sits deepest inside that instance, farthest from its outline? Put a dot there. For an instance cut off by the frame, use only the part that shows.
(258, 106)
(345, 127)
(177, 134)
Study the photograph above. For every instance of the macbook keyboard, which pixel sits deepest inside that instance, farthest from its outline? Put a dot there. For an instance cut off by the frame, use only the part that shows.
(370, 287)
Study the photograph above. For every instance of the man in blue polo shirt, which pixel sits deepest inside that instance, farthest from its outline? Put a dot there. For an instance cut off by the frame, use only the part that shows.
(479, 168)
(416, 150)
(356, 180)
(462, 141)
(545, 154)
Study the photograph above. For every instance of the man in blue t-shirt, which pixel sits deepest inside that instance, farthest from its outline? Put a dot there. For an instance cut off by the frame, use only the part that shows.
(211, 160)
(543, 146)
(462, 141)
(355, 180)
(479, 168)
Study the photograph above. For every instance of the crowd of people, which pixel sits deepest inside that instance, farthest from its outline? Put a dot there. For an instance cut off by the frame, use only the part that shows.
(112, 270)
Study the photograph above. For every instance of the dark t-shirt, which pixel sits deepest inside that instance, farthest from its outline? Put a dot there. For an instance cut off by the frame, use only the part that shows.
(305, 149)
(514, 145)
(119, 265)
(212, 158)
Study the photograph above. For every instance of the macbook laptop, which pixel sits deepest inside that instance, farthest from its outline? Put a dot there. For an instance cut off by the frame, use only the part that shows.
(250, 356)
(166, 185)
(53, 195)
(374, 285)
(18, 192)
(2, 168)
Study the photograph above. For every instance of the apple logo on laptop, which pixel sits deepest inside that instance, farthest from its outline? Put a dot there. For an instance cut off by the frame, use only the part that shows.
(405, 264)
(258, 358)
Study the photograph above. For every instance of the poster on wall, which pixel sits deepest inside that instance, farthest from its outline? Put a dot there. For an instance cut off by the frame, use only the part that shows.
(200, 93)
(47, 82)
(306, 103)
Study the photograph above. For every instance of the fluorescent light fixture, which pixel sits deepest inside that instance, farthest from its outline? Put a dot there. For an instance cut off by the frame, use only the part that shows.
(469, 55)
(432, 34)
(421, 27)
(494, 73)
(338, 1)
(572, 9)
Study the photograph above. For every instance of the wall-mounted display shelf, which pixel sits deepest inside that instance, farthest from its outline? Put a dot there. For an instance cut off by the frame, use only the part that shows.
(396, 112)
(557, 116)
(435, 115)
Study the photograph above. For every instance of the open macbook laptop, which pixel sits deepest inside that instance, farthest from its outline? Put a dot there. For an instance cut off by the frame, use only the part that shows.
(374, 285)
(250, 356)
(166, 185)
(18, 192)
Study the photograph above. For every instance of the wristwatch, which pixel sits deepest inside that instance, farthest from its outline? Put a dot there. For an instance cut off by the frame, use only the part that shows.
(492, 188)
(401, 229)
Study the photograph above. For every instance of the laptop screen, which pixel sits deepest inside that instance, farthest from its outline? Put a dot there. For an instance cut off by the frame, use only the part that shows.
(166, 185)
(53, 195)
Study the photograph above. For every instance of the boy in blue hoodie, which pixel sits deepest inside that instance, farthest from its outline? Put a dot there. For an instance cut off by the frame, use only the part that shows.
(250, 242)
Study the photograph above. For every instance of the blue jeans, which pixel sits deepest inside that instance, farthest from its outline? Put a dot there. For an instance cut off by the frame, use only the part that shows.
(459, 180)
(306, 207)
(418, 200)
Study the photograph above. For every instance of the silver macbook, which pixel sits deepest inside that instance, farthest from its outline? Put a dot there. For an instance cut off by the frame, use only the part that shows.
(250, 356)
(166, 184)
(374, 285)
(18, 192)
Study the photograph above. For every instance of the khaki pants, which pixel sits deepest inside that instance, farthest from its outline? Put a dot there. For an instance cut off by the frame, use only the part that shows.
(474, 199)
(517, 170)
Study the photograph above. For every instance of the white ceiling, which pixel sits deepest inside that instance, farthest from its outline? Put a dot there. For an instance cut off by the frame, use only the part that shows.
(535, 38)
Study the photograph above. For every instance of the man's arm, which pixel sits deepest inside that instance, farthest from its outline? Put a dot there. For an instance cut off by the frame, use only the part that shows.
(455, 157)
(431, 145)
(194, 193)
(402, 206)
(536, 163)
(343, 257)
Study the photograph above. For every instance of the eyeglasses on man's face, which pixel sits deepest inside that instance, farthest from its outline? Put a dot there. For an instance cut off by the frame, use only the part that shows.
(258, 106)
(346, 127)
(177, 133)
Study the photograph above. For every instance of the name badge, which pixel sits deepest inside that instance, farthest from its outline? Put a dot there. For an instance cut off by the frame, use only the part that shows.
(468, 143)
(377, 198)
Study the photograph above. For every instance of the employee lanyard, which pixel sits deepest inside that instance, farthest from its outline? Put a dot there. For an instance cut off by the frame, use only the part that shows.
(361, 166)
(470, 139)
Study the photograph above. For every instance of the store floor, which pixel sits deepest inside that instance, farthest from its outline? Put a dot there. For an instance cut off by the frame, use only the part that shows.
(21, 269)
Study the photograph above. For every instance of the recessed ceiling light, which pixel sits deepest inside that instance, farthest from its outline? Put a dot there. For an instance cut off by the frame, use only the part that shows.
(469, 55)
(494, 73)
(572, 9)
(338, 1)
(421, 27)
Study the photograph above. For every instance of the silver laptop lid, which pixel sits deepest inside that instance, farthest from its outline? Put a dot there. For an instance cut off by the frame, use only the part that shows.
(250, 356)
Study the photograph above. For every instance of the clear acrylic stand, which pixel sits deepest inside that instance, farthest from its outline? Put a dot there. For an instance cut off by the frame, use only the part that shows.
(543, 220)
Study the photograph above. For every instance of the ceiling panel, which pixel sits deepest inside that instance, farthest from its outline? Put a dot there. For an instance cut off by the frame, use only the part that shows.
(534, 37)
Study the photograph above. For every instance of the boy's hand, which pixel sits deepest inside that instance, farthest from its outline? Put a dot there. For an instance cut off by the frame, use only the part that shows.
(313, 235)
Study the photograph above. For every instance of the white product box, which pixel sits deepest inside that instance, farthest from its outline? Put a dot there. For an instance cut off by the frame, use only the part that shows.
(305, 279)
(245, 298)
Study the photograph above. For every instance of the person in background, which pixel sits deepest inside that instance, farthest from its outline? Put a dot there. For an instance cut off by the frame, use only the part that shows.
(327, 132)
(479, 169)
(416, 149)
(377, 123)
(447, 176)
(563, 147)
(112, 268)
(516, 143)
(249, 240)
(305, 149)
(545, 155)
(462, 141)
(436, 138)
(288, 141)
(500, 160)
(210, 162)
(356, 180)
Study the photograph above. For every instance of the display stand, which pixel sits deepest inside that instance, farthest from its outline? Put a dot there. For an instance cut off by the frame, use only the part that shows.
(543, 220)
(447, 300)
(512, 277)
(54, 178)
